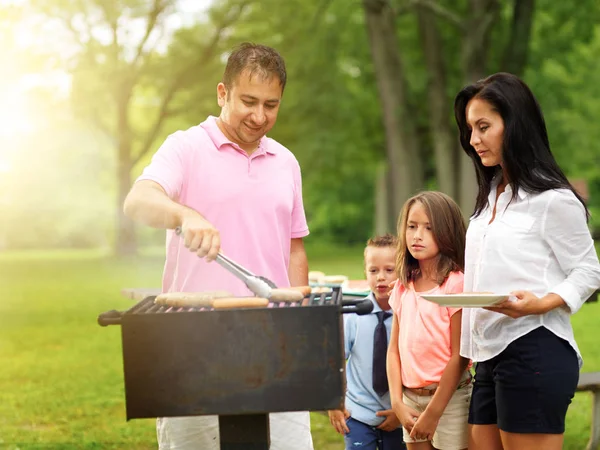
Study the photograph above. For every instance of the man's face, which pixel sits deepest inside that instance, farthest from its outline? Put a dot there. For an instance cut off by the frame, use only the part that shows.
(249, 109)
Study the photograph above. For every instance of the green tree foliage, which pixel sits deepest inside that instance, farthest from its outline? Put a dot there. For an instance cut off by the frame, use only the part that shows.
(565, 75)
(133, 89)
(330, 115)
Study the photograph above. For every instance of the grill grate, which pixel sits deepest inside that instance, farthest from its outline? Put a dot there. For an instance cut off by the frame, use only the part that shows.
(147, 306)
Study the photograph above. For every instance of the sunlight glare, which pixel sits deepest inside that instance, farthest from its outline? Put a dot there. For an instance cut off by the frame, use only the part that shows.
(14, 115)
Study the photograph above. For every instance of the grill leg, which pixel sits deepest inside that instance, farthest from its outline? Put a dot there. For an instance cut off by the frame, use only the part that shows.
(244, 432)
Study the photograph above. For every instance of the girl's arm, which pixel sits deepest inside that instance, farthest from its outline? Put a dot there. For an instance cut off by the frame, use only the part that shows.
(427, 423)
(393, 365)
(407, 416)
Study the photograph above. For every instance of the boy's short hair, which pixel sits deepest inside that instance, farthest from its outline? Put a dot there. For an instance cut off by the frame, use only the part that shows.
(384, 240)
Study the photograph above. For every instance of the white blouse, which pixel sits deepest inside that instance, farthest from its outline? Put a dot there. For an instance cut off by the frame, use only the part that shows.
(539, 243)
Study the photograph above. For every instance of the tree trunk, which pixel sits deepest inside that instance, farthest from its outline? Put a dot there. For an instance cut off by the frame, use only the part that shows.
(517, 48)
(382, 204)
(474, 57)
(406, 167)
(443, 134)
(126, 243)
(393, 211)
(484, 14)
(125, 239)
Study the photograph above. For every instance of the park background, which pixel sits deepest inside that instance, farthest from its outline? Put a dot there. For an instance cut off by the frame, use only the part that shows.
(90, 88)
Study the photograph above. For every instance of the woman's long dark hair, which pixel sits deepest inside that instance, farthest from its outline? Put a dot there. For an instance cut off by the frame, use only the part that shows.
(526, 157)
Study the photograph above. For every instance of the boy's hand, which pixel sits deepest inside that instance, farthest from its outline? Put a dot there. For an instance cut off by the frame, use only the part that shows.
(338, 420)
(425, 426)
(406, 415)
(391, 421)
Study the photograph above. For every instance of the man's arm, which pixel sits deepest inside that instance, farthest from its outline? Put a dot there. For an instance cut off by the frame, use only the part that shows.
(148, 203)
(298, 269)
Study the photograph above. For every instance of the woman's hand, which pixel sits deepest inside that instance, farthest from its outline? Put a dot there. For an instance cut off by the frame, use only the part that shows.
(337, 418)
(425, 426)
(526, 304)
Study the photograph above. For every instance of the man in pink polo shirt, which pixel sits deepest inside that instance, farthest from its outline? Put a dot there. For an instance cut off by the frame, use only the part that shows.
(230, 189)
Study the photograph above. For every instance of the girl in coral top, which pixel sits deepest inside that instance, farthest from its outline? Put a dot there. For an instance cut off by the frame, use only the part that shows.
(429, 382)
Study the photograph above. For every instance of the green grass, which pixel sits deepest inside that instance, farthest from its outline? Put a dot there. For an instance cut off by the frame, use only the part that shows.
(61, 379)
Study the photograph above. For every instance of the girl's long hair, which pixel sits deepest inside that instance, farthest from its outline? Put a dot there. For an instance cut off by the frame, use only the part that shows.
(449, 231)
(526, 156)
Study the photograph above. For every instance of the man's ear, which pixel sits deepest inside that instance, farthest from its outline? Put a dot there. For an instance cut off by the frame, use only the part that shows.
(221, 94)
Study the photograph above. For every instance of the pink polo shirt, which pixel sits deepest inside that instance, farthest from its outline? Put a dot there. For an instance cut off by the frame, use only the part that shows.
(424, 340)
(255, 202)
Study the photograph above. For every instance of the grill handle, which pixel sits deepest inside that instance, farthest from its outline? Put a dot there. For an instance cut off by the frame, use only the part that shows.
(357, 306)
(112, 317)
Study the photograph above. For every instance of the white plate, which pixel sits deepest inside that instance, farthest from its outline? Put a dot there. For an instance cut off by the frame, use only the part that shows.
(466, 300)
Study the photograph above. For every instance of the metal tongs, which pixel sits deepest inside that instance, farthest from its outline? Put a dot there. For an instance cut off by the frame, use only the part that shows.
(260, 286)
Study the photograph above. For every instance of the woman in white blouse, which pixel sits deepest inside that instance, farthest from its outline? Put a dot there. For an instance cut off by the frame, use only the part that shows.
(528, 237)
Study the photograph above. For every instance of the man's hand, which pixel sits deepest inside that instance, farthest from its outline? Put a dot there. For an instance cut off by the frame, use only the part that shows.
(338, 420)
(391, 421)
(200, 236)
(425, 426)
(406, 415)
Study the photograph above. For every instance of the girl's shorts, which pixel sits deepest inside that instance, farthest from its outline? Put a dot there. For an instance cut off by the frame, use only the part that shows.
(451, 432)
(528, 387)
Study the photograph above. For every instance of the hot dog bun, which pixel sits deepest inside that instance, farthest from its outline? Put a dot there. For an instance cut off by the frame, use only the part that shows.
(189, 298)
(240, 302)
(286, 295)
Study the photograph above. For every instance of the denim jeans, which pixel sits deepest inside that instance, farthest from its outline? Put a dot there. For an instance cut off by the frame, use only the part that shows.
(366, 437)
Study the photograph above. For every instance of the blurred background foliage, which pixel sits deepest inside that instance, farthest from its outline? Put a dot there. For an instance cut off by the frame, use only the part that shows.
(90, 88)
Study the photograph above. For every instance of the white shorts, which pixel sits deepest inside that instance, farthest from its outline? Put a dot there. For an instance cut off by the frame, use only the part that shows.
(452, 430)
(289, 431)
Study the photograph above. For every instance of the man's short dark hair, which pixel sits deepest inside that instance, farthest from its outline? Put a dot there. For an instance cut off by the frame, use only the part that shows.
(258, 60)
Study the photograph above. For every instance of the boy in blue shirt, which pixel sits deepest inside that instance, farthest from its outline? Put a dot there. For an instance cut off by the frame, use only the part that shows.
(368, 422)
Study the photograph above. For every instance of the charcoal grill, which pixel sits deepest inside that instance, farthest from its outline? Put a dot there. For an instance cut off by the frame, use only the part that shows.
(239, 364)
